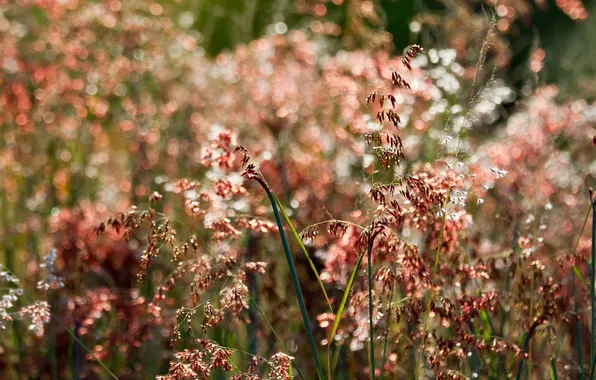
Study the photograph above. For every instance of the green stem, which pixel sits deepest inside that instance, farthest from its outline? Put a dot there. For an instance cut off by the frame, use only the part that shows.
(577, 332)
(370, 313)
(72, 334)
(276, 334)
(343, 303)
(553, 370)
(592, 284)
(593, 277)
(527, 338)
(575, 268)
(386, 334)
(297, 288)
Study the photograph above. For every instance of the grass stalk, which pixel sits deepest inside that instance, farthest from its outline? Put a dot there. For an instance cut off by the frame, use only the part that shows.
(593, 277)
(314, 270)
(253, 292)
(527, 338)
(432, 291)
(553, 370)
(581, 232)
(578, 342)
(276, 334)
(592, 284)
(296, 282)
(386, 333)
(73, 335)
(304, 250)
(370, 311)
(343, 303)
(501, 332)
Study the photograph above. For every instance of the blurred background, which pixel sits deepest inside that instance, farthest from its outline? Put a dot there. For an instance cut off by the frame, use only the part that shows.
(102, 103)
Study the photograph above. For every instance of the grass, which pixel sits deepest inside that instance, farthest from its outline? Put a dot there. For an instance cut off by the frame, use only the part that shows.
(296, 282)
(593, 277)
(70, 158)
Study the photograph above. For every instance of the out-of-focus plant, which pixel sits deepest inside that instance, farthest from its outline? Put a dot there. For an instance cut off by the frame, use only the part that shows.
(464, 212)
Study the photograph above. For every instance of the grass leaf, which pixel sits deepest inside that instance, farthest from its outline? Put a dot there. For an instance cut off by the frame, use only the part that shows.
(344, 301)
(294, 275)
(301, 244)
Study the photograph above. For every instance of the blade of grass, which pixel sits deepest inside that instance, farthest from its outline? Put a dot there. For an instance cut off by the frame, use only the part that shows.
(73, 335)
(301, 244)
(555, 349)
(251, 280)
(592, 284)
(312, 266)
(294, 275)
(578, 343)
(475, 358)
(581, 279)
(336, 354)
(555, 352)
(489, 330)
(527, 336)
(553, 370)
(370, 311)
(579, 276)
(514, 249)
(519, 343)
(593, 277)
(575, 269)
(387, 332)
(344, 300)
(432, 291)
(275, 333)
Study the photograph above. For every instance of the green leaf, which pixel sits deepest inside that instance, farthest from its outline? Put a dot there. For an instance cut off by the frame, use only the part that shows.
(344, 300)
(553, 370)
(294, 275)
(301, 244)
(579, 276)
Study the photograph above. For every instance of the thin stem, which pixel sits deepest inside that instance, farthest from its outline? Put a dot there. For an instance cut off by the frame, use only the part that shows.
(370, 312)
(432, 291)
(275, 333)
(575, 269)
(73, 335)
(578, 342)
(343, 303)
(371, 344)
(593, 277)
(514, 248)
(527, 338)
(553, 370)
(533, 282)
(592, 284)
(387, 331)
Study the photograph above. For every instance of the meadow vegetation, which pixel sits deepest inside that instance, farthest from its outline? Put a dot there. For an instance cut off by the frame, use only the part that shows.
(312, 203)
